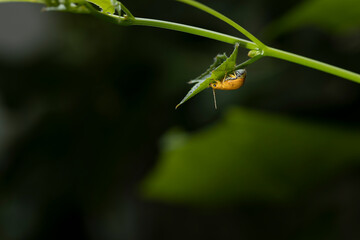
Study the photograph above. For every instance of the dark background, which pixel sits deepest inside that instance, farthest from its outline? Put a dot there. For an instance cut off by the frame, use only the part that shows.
(87, 114)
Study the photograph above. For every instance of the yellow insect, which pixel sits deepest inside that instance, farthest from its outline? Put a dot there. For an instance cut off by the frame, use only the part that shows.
(230, 82)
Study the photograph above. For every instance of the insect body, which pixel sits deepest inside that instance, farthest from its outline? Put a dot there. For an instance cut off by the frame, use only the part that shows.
(231, 82)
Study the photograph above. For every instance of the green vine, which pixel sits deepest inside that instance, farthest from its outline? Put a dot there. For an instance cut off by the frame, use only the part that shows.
(124, 17)
(255, 44)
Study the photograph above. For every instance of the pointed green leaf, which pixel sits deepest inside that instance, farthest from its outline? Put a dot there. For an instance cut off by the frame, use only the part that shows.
(226, 67)
(198, 87)
(221, 66)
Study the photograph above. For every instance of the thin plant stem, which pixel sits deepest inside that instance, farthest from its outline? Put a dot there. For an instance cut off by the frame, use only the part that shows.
(136, 21)
(225, 19)
(194, 30)
(291, 57)
(128, 13)
(265, 51)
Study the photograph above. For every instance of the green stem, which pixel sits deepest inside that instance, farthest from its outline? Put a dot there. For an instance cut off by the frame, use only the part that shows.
(225, 19)
(126, 11)
(194, 30)
(266, 51)
(291, 57)
(136, 21)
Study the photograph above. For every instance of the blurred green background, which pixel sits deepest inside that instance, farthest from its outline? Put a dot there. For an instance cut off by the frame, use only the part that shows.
(92, 148)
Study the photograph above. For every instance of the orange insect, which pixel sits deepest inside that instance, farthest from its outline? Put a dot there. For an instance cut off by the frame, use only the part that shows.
(230, 82)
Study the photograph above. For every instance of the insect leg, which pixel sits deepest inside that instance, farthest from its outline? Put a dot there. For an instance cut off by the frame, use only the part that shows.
(214, 98)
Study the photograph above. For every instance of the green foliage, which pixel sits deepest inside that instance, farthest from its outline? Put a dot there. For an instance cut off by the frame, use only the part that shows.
(332, 15)
(107, 6)
(30, 1)
(221, 66)
(250, 156)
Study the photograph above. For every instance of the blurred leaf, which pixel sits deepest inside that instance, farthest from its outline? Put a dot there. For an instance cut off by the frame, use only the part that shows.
(221, 66)
(30, 1)
(251, 156)
(331, 15)
(75, 6)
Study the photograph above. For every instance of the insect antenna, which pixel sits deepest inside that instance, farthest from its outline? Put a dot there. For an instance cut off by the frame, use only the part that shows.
(214, 99)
